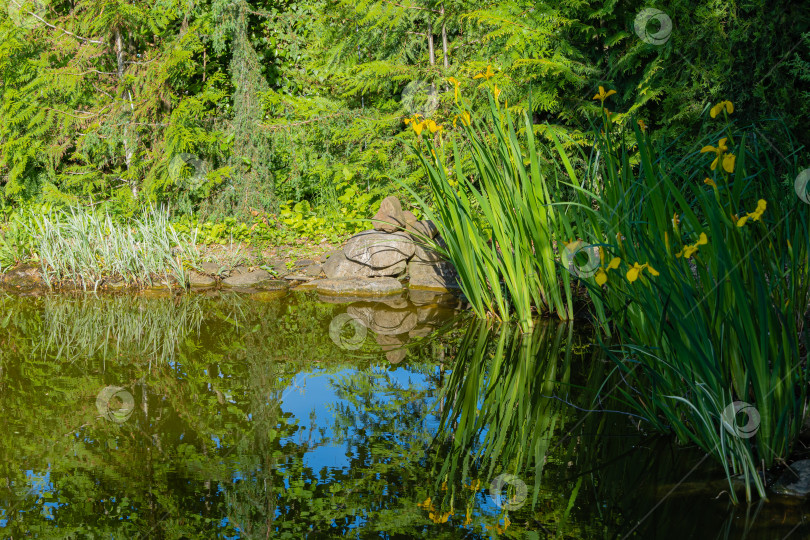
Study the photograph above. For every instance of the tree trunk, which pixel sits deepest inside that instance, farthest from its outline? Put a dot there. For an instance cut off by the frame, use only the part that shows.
(444, 40)
(129, 145)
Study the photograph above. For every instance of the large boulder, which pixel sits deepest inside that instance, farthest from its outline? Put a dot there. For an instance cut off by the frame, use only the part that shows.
(426, 254)
(389, 218)
(425, 228)
(200, 281)
(359, 287)
(379, 250)
(436, 277)
(340, 267)
(23, 278)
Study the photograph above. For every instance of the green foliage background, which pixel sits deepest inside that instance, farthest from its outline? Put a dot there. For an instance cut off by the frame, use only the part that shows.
(225, 107)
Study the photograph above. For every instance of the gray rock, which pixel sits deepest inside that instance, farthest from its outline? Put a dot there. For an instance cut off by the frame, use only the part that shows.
(200, 281)
(436, 277)
(313, 270)
(379, 250)
(246, 280)
(795, 481)
(425, 228)
(298, 277)
(426, 254)
(210, 268)
(272, 285)
(339, 267)
(23, 278)
(389, 217)
(359, 287)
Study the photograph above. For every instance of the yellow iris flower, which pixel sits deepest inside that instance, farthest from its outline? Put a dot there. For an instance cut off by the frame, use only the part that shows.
(456, 84)
(601, 274)
(717, 109)
(488, 74)
(636, 269)
(602, 95)
(465, 118)
(690, 250)
(756, 215)
(727, 160)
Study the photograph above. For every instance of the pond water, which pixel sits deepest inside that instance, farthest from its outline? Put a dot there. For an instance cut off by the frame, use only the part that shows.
(231, 416)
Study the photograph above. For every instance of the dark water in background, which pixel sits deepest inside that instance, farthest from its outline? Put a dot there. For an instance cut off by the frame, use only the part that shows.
(229, 416)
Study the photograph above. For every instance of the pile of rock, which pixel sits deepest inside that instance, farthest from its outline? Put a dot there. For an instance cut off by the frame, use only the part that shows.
(396, 246)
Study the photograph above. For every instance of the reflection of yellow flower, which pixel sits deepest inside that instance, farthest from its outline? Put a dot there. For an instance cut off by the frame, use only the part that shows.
(468, 518)
(439, 518)
(426, 504)
(723, 105)
(756, 215)
(497, 528)
(486, 75)
(602, 95)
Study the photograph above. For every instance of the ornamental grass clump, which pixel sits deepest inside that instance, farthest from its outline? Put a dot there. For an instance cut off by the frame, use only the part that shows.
(86, 248)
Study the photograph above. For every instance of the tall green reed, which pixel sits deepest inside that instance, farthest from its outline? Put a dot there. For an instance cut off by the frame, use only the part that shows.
(499, 224)
(708, 291)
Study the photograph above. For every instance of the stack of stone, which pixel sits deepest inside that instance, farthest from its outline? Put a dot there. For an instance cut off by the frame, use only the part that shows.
(394, 247)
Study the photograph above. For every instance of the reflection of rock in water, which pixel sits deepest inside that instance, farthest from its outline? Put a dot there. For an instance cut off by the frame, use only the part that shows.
(393, 346)
(395, 320)
(383, 319)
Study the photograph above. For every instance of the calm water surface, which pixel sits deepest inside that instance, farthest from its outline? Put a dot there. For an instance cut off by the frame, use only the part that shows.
(231, 416)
